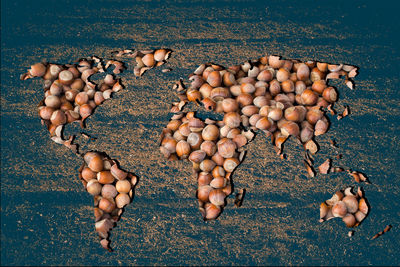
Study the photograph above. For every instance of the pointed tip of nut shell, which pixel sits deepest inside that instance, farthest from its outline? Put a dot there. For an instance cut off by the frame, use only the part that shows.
(106, 245)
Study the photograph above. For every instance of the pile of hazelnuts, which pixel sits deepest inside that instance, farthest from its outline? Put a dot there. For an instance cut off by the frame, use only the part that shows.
(214, 150)
(352, 207)
(112, 189)
(70, 95)
(281, 97)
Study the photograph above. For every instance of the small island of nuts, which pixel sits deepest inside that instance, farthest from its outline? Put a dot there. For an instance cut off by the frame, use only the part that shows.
(353, 208)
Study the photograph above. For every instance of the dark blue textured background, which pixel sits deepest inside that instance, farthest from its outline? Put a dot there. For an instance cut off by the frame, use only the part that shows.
(46, 217)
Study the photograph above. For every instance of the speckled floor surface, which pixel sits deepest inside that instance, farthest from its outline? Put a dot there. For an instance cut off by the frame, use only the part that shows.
(46, 217)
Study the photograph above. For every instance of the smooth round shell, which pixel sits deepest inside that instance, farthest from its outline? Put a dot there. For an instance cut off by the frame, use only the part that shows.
(218, 171)
(173, 125)
(330, 94)
(217, 158)
(121, 200)
(88, 174)
(321, 126)
(197, 156)
(45, 112)
(184, 129)
(81, 98)
(66, 77)
(183, 149)
(209, 147)
(282, 74)
(349, 220)
(214, 79)
(306, 134)
(232, 119)
(105, 177)
(290, 128)
(351, 203)
(217, 197)
(260, 101)
(109, 191)
(228, 79)
(218, 182)
(303, 72)
(194, 140)
(244, 99)
(159, 54)
(93, 187)
(85, 111)
(212, 211)
(319, 86)
(123, 186)
(169, 143)
(210, 133)
(230, 105)
(89, 156)
(66, 106)
(309, 97)
(205, 90)
(360, 216)
(96, 163)
(264, 123)
(294, 114)
(106, 205)
(207, 165)
(203, 192)
(196, 125)
(58, 117)
(247, 88)
(275, 113)
(52, 101)
(339, 209)
(250, 110)
(38, 70)
(71, 94)
(265, 75)
(77, 84)
(230, 164)
(204, 178)
(148, 60)
(226, 148)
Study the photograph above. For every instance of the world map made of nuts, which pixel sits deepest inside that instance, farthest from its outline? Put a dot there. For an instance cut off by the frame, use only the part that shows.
(281, 97)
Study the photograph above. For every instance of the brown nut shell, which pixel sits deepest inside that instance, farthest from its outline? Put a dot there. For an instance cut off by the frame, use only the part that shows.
(105, 177)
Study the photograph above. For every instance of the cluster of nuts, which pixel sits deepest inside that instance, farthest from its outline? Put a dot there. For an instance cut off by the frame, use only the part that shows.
(145, 59)
(112, 189)
(214, 150)
(280, 97)
(351, 207)
(70, 95)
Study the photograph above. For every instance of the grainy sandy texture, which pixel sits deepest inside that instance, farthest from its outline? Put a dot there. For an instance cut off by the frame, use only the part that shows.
(45, 212)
